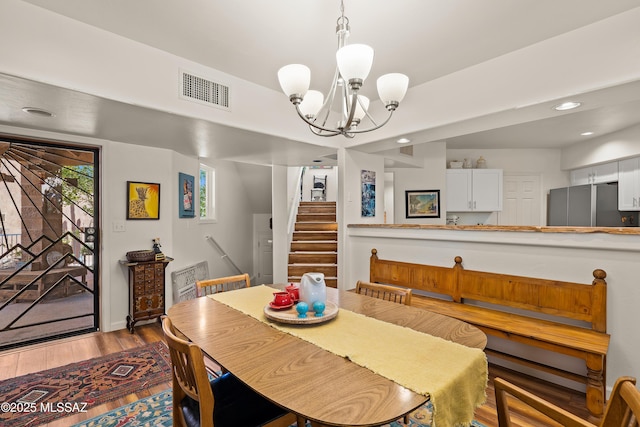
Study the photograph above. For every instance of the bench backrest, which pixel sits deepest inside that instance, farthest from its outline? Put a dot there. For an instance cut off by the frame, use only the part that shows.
(583, 302)
(428, 278)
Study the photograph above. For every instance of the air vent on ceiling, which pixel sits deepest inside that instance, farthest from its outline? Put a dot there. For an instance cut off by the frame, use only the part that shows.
(204, 91)
(407, 150)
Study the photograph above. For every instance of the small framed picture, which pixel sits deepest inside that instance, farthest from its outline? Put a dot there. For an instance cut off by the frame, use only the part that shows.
(423, 203)
(143, 200)
(185, 196)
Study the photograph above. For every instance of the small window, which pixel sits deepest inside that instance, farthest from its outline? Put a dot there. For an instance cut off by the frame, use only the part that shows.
(207, 193)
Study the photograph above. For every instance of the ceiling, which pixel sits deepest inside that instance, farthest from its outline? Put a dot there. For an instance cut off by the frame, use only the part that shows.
(410, 36)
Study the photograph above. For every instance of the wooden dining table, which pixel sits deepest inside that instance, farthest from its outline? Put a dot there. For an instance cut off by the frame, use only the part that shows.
(310, 381)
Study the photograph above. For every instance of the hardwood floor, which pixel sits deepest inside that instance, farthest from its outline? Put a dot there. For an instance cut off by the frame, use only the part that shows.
(49, 355)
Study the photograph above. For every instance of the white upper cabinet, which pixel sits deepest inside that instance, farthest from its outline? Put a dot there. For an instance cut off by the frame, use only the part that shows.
(629, 185)
(598, 174)
(459, 190)
(474, 190)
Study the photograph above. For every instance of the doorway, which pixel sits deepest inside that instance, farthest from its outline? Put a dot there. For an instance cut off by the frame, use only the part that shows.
(49, 237)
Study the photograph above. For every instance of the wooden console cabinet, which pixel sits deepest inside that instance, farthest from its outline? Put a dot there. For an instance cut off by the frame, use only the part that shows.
(146, 290)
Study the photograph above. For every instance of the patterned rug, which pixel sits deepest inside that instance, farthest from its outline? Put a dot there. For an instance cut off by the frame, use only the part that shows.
(155, 411)
(52, 394)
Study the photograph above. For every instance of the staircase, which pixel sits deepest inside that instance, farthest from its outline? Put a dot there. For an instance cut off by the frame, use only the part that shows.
(314, 247)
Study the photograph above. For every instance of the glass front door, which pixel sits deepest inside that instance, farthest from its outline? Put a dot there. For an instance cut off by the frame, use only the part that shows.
(48, 241)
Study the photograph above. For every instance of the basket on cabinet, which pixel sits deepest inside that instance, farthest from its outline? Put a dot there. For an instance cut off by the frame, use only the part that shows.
(141, 256)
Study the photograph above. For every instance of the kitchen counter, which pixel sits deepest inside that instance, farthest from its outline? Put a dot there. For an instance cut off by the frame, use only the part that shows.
(510, 228)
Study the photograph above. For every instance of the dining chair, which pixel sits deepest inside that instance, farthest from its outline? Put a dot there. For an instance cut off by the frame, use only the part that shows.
(385, 292)
(224, 402)
(221, 284)
(622, 409)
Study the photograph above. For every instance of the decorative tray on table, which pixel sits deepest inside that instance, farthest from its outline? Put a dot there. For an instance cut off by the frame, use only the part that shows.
(290, 315)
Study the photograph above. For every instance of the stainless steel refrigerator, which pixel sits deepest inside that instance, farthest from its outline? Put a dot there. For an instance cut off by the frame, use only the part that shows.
(584, 206)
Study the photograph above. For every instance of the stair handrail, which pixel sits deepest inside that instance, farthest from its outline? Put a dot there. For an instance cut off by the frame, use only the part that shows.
(293, 208)
(224, 255)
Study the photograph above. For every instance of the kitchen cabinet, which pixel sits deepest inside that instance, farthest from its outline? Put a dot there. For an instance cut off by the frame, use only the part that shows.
(599, 174)
(146, 290)
(629, 184)
(474, 190)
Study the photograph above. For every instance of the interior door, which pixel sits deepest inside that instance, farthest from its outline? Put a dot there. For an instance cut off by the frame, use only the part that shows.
(522, 201)
(265, 260)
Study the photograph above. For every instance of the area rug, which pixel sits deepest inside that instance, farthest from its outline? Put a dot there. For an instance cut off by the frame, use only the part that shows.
(52, 394)
(155, 411)
(152, 411)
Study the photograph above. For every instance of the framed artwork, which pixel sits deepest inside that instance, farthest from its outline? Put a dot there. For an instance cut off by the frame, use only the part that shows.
(423, 203)
(368, 184)
(143, 200)
(185, 196)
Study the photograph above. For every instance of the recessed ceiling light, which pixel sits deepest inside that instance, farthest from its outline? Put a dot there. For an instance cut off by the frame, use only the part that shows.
(586, 133)
(569, 105)
(403, 141)
(38, 112)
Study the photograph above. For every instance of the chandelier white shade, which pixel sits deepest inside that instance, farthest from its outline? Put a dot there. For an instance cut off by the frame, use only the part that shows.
(294, 79)
(392, 87)
(354, 61)
(312, 103)
(361, 107)
(343, 106)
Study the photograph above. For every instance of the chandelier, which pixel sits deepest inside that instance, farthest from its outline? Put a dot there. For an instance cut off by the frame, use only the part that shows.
(343, 105)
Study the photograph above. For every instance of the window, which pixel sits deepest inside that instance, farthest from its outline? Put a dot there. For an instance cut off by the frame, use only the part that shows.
(207, 193)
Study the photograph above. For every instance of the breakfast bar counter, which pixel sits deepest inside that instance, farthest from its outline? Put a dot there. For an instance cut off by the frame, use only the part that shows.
(512, 228)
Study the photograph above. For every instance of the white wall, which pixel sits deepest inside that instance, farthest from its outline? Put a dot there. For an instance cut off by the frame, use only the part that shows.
(350, 166)
(233, 228)
(354, 163)
(430, 177)
(182, 238)
(545, 162)
(122, 163)
(284, 181)
(332, 183)
(389, 198)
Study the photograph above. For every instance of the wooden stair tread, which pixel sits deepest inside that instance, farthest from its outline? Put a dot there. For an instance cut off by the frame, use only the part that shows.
(314, 242)
(322, 264)
(315, 252)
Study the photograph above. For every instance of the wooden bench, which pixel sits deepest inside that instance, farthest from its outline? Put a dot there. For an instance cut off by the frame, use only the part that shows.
(547, 314)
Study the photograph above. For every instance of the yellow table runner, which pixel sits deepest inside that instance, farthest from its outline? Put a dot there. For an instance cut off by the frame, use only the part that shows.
(453, 375)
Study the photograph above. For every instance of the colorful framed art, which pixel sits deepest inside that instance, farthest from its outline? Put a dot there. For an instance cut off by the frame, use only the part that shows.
(368, 186)
(422, 203)
(143, 200)
(186, 207)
